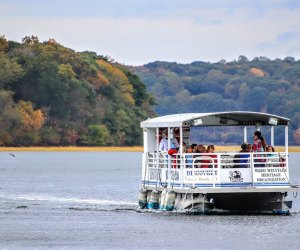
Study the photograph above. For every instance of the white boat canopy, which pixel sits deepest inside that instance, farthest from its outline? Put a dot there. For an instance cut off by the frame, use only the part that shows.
(232, 118)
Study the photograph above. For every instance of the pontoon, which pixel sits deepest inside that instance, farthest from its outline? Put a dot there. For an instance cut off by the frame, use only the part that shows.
(207, 182)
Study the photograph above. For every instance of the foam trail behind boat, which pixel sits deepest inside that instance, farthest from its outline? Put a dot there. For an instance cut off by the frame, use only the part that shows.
(71, 202)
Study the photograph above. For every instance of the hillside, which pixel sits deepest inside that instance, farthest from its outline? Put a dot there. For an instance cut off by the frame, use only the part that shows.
(52, 95)
(263, 85)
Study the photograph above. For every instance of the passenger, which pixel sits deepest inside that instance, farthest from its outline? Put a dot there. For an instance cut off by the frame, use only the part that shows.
(280, 161)
(163, 145)
(173, 140)
(184, 148)
(189, 157)
(259, 145)
(175, 153)
(249, 147)
(172, 151)
(270, 149)
(200, 149)
(194, 145)
(210, 149)
(272, 158)
(241, 160)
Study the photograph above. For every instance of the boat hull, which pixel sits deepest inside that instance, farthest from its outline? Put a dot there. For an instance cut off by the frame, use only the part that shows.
(252, 202)
(238, 202)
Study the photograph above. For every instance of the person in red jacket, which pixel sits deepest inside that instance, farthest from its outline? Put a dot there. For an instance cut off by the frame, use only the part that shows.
(259, 145)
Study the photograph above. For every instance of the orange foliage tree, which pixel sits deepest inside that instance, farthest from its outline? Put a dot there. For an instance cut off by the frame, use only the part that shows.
(31, 119)
(119, 79)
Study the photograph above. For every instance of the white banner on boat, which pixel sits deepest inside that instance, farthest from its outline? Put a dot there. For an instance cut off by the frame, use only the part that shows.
(270, 175)
(206, 175)
(226, 175)
(235, 175)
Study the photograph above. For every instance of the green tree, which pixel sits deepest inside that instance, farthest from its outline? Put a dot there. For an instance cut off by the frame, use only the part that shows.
(72, 92)
(97, 135)
(10, 71)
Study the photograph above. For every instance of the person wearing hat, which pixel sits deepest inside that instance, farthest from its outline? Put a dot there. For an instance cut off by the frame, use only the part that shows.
(241, 160)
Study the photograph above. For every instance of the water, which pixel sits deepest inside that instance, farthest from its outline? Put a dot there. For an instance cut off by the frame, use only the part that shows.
(89, 201)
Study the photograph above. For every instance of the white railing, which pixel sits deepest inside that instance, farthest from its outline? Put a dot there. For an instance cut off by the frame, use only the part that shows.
(217, 169)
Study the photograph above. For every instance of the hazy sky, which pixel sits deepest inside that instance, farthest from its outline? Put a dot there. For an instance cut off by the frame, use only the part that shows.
(136, 32)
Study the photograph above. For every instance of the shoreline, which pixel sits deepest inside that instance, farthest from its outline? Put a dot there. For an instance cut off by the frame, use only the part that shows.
(74, 149)
(118, 149)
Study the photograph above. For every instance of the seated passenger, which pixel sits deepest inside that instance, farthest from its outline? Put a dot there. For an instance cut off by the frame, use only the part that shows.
(249, 147)
(200, 149)
(271, 158)
(189, 157)
(241, 160)
(184, 147)
(277, 160)
(210, 149)
(194, 145)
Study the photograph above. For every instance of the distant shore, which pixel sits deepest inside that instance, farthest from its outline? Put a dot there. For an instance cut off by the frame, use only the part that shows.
(121, 149)
(75, 149)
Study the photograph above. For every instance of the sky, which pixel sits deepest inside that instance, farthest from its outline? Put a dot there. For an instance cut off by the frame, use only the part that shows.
(136, 32)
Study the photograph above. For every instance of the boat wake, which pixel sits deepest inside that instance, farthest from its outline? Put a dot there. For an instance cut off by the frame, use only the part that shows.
(213, 212)
(72, 203)
(87, 204)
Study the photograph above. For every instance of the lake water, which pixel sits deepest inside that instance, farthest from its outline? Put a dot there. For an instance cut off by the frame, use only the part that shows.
(88, 200)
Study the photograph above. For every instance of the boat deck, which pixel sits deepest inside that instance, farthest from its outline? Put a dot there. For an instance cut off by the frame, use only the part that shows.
(293, 188)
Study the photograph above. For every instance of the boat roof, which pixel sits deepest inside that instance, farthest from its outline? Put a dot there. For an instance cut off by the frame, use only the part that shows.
(230, 118)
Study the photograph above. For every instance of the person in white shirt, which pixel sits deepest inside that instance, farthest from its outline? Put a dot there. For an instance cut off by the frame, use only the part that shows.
(163, 145)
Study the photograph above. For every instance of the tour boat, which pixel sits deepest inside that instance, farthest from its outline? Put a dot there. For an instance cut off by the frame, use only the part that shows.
(218, 181)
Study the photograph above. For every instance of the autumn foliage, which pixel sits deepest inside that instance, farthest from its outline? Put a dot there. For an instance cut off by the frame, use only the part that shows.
(31, 119)
(52, 95)
(260, 84)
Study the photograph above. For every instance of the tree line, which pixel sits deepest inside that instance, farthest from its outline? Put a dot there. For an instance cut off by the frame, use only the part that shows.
(261, 84)
(52, 95)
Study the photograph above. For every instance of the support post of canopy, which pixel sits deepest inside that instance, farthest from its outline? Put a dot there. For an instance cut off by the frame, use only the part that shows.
(272, 136)
(145, 134)
(286, 145)
(157, 139)
(157, 147)
(181, 157)
(169, 158)
(157, 155)
(181, 143)
(145, 162)
(245, 134)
